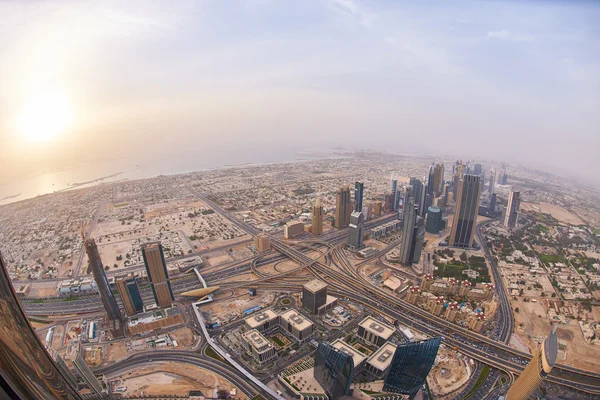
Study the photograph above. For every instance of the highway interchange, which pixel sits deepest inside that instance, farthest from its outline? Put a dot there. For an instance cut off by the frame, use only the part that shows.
(345, 282)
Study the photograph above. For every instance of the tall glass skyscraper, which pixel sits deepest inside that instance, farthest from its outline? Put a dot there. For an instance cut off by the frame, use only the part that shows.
(154, 260)
(467, 208)
(333, 370)
(410, 366)
(28, 371)
(539, 367)
(417, 186)
(106, 294)
(359, 189)
(130, 295)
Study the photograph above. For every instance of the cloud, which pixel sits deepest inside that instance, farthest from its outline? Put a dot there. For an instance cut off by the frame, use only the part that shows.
(506, 35)
(365, 17)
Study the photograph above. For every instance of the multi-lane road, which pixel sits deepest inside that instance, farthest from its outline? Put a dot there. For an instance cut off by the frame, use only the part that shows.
(347, 283)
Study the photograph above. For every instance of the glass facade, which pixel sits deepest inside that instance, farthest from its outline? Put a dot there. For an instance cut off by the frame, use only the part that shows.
(106, 294)
(333, 370)
(28, 371)
(359, 188)
(410, 366)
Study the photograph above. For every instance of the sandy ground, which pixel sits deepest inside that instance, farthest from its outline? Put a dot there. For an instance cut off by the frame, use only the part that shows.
(448, 376)
(231, 309)
(557, 212)
(217, 258)
(115, 352)
(172, 379)
(580, 354)
(184, 336)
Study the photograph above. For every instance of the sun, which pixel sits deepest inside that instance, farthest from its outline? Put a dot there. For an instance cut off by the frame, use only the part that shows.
(46, 115)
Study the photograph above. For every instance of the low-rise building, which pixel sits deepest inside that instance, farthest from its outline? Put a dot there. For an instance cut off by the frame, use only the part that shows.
(296, 324)
(379, 362)
(374, 331)
(261, 349)
(293, 229)
(357, 357)
(263, 321)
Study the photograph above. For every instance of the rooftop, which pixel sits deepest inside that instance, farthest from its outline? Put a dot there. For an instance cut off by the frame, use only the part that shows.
(382, 358)
(260, 318)
(378, 328)
(298, 321)
(257, 340)
(315, 285)
(344, 347)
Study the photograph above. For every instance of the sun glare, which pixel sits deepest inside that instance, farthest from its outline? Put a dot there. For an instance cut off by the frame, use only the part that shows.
(46, 115)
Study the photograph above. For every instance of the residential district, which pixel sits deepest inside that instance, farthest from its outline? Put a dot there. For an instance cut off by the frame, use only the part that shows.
(356, 276)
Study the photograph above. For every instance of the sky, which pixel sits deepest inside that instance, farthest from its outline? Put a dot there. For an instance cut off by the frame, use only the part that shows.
(510, 80)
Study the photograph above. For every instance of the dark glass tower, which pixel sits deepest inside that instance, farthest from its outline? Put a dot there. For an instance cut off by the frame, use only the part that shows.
(28, 372)
(359, 188)
(467, 208)
(333, 370)
(356, 232)
(417, 186)
(130, 295)
(106, 294)
(410, 366)
(156, 267)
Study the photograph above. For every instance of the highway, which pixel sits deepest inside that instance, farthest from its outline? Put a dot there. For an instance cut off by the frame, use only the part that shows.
(486, 349)
(183, 357)
(507, 320)
(345, 282)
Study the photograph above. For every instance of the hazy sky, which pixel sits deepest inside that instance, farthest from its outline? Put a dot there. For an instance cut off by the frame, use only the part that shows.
(513, 80)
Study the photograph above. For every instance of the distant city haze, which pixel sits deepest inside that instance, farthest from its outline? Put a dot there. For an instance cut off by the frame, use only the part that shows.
(166, 88)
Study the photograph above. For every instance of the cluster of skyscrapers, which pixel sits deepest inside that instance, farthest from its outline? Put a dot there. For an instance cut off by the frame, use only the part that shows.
(128, 289)
(405, 374)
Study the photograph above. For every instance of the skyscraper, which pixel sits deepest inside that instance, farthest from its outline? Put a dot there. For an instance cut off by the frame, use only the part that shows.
(356, 232)
(429, 190)
(410, 366)
(423, 201)
(130, 296)
(28, 371)
(417, 186)
(434, 220)
(477, 170)
(359, 188)
(438, 180)
(317, 218)
(106, 294)
(334, 370)
(465, 217)
(342, 208)
(413, 232)
(156, 268)
(491, 181)
(314, 295)
(512, 209)
(492, 205)
(408, 194)
(394, 190)
(538, 368)
(82, 370)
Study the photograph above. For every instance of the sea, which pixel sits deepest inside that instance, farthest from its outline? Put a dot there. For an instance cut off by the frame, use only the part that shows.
(110, 169)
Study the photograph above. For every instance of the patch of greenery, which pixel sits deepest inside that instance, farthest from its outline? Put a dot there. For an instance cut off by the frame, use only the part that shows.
(213, 354)
(482, 377)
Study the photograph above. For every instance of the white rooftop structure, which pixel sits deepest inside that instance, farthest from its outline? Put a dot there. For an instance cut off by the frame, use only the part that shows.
(378, 328)
(382, 358)
(260, 318)
(297, 320)
(344, 347)
(257, 340)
